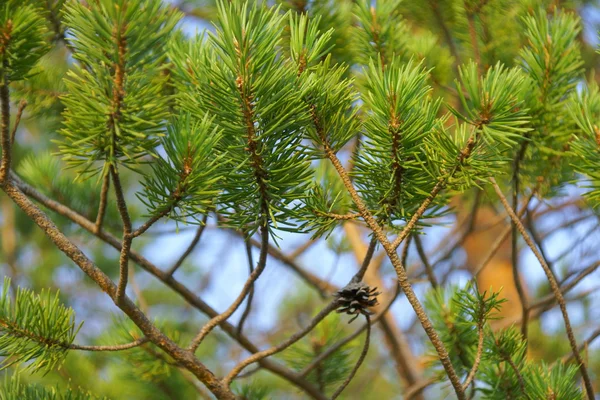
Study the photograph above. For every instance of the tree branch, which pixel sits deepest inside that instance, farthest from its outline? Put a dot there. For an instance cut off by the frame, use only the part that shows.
(127, 237)
(282, 346)
(361, 358)
(400, 271)
(553, 285)
(5, 125)
(22, 105)
(103, 201)
(210, 325)
(117, 347)
(246, 312)
(190, 248)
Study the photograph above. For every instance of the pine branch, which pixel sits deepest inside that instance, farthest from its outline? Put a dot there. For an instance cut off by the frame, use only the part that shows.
(22, 105)
(555, 289)
(127, 234)
(117, 347)
(103, 202)
(35, 327)
(402, 278)
(250, 292)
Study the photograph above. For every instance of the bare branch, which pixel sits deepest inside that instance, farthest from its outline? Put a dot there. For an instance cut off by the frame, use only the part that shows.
(22, 105)
(103, 201)
(190, 248)
(282, 346)
(425, 261)
(553, 285)
(127, 237)
(210, 325)
(251, 292)
(5, 126)
(366, 261)
(361, 358)
(117, 347)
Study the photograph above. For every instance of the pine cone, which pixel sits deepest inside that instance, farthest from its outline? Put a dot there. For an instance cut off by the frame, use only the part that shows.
(356, 298)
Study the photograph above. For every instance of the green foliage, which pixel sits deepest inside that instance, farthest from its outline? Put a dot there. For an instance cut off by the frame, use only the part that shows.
(493, 103)
(253, 94)
(392, 171)
(585, 110)
(253, 391)
(327, 196)
(307, 44)
(494, 119)
(115, 106)
(557, 381)
(22, 39)
(459, 315)
(14, 389)
(552, 60)
(183, 184)
(381, 33)
(34, 328)
(241, 121)
(42, 90)
(504, 372)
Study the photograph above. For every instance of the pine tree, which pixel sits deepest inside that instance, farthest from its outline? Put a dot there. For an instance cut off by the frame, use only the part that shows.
(354, 127)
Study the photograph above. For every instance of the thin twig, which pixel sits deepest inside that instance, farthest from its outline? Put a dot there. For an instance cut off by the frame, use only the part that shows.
(555, 289)
(127, 238)
(22, 105)
(501, 238)
(425, 261)
(323, 287)
(146, 225)
(116, 347)
(190, 248)
(480, 337)
(515, 260)
(246, 312)
(103, 201)
(5, 125)
(210, 325)
(366, 261)
(361, 358)
(568, 358)
(282, 346)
